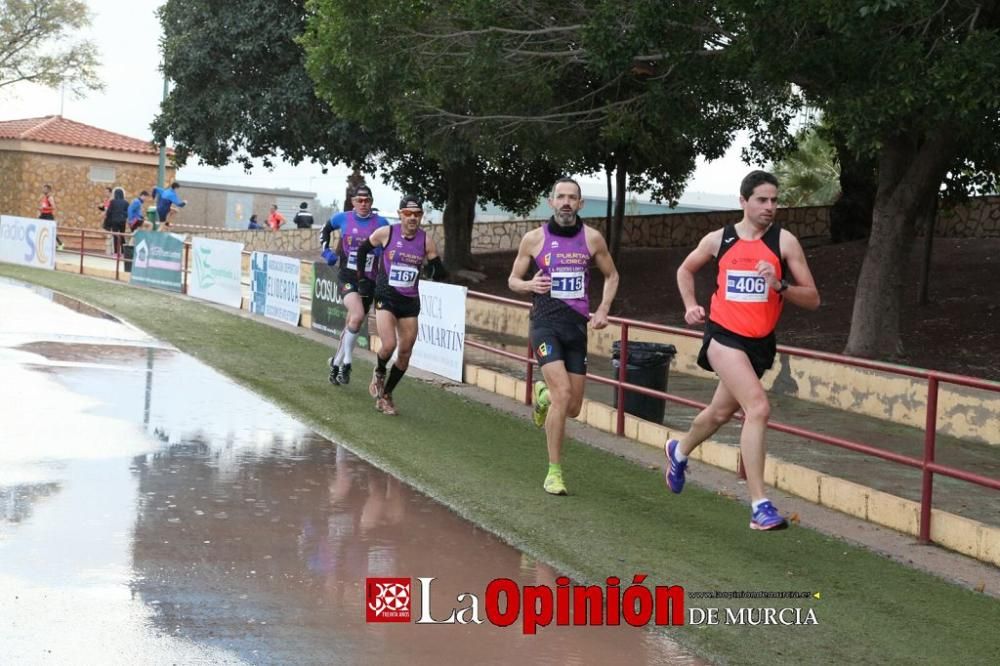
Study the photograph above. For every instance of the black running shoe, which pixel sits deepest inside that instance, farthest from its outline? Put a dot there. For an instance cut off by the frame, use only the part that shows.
(344, 377)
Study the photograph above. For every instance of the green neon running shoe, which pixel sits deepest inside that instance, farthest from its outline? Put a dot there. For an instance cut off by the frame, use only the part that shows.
(554, 483)
(542, 402)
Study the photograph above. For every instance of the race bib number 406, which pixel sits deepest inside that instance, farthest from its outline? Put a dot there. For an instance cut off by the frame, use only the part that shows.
(567, 285)
(745, 287)
(401, 275)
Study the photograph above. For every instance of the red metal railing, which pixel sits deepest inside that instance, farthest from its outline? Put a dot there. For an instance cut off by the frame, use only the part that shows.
(926, 464)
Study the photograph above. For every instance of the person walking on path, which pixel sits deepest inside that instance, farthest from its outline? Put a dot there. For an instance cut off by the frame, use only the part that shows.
(755, 258)
(562, 251)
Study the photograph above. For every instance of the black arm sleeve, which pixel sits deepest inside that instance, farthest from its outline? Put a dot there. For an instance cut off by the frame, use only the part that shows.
(436, 270)
(363, 251)
(324, 236)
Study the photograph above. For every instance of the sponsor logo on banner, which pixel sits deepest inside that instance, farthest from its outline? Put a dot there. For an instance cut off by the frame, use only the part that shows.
(506, 603)
(274, 287)
(157, 260)
(440, 346)
(216, 271)
(28, 242)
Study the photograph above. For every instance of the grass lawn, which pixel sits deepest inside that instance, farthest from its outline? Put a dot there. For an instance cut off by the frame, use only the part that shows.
(488, 466)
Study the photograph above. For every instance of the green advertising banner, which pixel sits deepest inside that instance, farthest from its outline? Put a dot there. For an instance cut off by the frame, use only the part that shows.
(158, 258)
(328, 312)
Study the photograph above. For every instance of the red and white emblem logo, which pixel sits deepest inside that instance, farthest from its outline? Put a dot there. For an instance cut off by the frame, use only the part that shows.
(387, 599)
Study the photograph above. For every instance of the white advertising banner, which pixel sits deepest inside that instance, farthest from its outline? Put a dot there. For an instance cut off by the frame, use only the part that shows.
(274, 287)
(28, 241)
(440, 344)
(215, 273)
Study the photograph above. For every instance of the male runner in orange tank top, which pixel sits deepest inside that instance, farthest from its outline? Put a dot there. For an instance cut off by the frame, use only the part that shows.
(755, 258)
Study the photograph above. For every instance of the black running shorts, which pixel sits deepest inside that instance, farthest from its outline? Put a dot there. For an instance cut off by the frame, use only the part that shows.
(760, 351)
(388, 299)
(560, 341)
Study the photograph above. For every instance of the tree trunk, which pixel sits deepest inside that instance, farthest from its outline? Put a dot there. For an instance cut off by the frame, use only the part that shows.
(618, 225)
(459, 214)
(909, 169)
(611, 198)
(926, 220)
(851, 213)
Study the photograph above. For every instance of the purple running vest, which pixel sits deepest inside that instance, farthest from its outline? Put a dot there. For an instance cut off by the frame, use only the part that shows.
(566, 260)
(356, 230)
(402, 259)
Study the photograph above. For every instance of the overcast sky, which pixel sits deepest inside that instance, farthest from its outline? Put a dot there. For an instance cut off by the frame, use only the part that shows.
(127, 33)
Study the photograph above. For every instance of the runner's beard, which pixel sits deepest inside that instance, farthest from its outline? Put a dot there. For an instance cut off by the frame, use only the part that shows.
(566, 217)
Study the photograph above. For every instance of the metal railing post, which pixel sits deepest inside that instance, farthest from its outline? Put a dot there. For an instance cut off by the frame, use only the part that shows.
(82, 232)
(930, 438)
(622, 374)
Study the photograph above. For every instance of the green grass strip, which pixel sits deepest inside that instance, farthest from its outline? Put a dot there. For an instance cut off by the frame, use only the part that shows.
(488, 466)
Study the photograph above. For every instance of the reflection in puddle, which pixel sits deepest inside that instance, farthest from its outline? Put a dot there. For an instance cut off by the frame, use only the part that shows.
(161, 510)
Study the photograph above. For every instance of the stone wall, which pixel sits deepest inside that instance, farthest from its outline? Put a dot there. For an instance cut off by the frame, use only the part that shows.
(670, 230)
(10, 176)
(294, 242)
(23, 174)
(978, 218)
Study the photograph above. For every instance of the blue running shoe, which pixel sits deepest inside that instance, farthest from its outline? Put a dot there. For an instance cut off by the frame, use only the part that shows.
(766, 517)
(675, 470)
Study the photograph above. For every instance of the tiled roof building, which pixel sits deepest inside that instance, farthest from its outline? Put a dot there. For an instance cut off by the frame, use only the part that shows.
(79, 161)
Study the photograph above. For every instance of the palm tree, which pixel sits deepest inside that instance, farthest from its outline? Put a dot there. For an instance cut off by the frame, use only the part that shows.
(809, 176)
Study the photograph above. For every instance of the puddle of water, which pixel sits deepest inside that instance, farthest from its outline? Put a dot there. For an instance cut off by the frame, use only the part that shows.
(153, 511)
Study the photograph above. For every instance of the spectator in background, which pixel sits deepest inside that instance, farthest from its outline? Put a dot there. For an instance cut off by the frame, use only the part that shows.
(47, 209)
(115, 217)
(103, 206)
(303, 219)
(168, 198)
(254, 224)
(275, 219)
(136, 214)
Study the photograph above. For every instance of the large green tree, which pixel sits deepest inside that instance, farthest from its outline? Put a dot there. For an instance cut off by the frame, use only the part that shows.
(367, 71)
(39, 44)
(911, 83)
(240, 89)
(638, 90)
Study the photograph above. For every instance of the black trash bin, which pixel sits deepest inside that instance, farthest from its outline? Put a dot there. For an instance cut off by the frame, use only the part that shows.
(128, 252)
(648, 366)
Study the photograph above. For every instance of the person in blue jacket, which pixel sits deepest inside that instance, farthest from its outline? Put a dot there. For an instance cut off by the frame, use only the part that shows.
(168, 198)
(136, 211)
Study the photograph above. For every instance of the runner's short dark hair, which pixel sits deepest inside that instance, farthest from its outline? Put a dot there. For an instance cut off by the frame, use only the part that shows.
(754, 179)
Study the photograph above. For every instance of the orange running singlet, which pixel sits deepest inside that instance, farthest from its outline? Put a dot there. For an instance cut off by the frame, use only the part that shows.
(743, 302)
